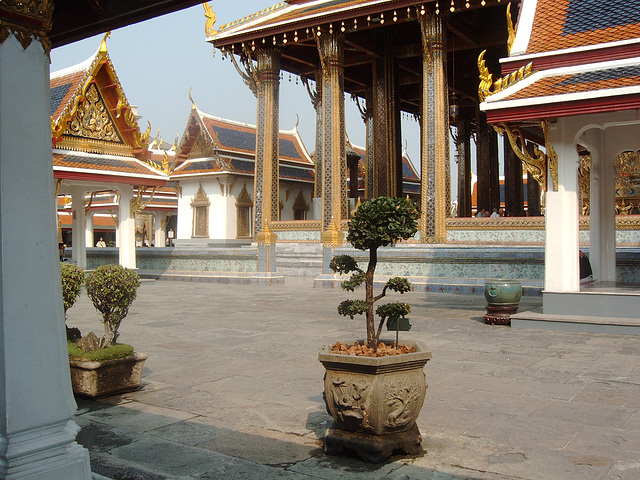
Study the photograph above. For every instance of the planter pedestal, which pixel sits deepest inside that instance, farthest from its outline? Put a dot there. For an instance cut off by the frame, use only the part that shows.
(499, 314)
(373, 448)
(374, 402)
(99, 379)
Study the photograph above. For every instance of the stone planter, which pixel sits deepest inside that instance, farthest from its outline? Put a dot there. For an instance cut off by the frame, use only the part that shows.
(502, 300)
(374, 402)
(99, 379)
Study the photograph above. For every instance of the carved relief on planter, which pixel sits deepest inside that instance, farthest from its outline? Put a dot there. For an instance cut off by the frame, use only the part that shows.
(99, 379)
(374, 395)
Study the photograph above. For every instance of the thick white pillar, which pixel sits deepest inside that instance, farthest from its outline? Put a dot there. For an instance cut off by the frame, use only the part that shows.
(88, 220)
(78, 239)
(126, 228)
(602, 231)
(37, 435)
(562, 215)
(160, 238)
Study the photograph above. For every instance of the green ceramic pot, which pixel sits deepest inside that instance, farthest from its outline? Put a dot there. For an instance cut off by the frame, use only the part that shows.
(503, 292)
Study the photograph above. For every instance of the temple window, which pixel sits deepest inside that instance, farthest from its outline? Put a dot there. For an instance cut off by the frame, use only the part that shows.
(243, 214)
(200, 206)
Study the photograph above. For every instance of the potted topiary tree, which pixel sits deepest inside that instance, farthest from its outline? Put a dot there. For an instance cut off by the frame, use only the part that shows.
(101, 366)
(72, 277)
(374, 391)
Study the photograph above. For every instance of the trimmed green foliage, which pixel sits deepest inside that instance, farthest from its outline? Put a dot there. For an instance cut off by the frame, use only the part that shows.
(118, 350)
(377, 223)
(72, 277)
(112, 289)
(381, 222)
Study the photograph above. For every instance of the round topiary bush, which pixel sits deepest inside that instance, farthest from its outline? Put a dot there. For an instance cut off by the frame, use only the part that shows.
(72, 277)
(112, 289)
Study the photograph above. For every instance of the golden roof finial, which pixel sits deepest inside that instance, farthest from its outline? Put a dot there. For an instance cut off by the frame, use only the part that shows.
(486, 79)
(193, 104)
(103, 45)
(510, 29)
(209, 31)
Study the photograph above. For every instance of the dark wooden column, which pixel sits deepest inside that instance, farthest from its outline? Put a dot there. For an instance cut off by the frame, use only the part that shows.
(514, 190)
(483, 159)
(463, 144)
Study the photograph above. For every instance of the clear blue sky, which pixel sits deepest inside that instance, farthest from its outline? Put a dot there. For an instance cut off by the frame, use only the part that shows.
(158, 61)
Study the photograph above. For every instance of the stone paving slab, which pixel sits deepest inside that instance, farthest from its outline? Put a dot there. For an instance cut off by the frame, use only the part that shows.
(233, 389)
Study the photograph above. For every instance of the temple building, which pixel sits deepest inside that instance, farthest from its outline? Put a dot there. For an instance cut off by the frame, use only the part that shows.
(102, 161)
(572, 77)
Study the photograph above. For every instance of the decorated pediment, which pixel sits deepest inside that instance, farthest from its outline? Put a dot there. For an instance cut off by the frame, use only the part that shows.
(95, 116)
(92, 120)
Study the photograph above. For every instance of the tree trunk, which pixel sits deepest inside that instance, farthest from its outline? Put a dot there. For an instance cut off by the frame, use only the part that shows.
(371, 332)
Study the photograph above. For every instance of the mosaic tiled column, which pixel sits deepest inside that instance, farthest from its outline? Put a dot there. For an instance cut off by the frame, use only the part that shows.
(369, 162)
(334, 161)
(37, 433)
(266, 204)
(267, 76)
(387, 153)
(434, 132)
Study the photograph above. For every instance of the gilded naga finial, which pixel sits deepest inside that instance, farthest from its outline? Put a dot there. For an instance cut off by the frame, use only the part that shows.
(510, 29)
(486, 79)
(209, 31)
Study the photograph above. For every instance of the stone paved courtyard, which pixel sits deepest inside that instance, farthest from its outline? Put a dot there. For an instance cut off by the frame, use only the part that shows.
(233, 389)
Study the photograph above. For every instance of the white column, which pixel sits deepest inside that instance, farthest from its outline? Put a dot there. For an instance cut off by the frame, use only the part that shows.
(602, 232)
(126, 228)
(37, 435)
(78, 240)
(160, 238)
(562, 215)
(88, 220)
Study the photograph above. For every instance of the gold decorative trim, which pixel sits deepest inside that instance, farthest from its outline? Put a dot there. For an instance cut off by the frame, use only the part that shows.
(332, 237)
(502, 223)
(511, 31)
(137, 204)
(27, 20)
(535, 164)
(297, 225)
(266, 236)
(486, 78)
(551, 155)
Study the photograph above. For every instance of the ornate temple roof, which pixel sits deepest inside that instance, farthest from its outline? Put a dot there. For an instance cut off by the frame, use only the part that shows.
(580, 56)
(95, 132)
(213, 145)
(368, 25)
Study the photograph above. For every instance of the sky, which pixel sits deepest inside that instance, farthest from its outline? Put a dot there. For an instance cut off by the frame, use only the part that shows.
(160, 60)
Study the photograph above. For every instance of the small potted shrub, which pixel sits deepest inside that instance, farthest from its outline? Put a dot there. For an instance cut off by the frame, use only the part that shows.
(374, 390)
(101, 366)
(72, 277)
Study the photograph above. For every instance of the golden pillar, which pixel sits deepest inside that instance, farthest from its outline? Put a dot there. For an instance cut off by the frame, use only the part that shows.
(434, 132)
(267, 76)
(334, 161)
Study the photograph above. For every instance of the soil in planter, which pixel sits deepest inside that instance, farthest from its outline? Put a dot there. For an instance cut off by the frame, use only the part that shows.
(360, 349)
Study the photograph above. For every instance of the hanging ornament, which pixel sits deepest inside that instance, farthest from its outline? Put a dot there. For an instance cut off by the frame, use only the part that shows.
(342, 27)
(483, 3)
(355, 23)
(368, 19)
(284, 38)
(319, 32)
(453, 7)
(422, 9)
(381, 18)
(408, 12)
(395, 16)
(274, 39)
(437, 9)
(467, 5)
(295, 35)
